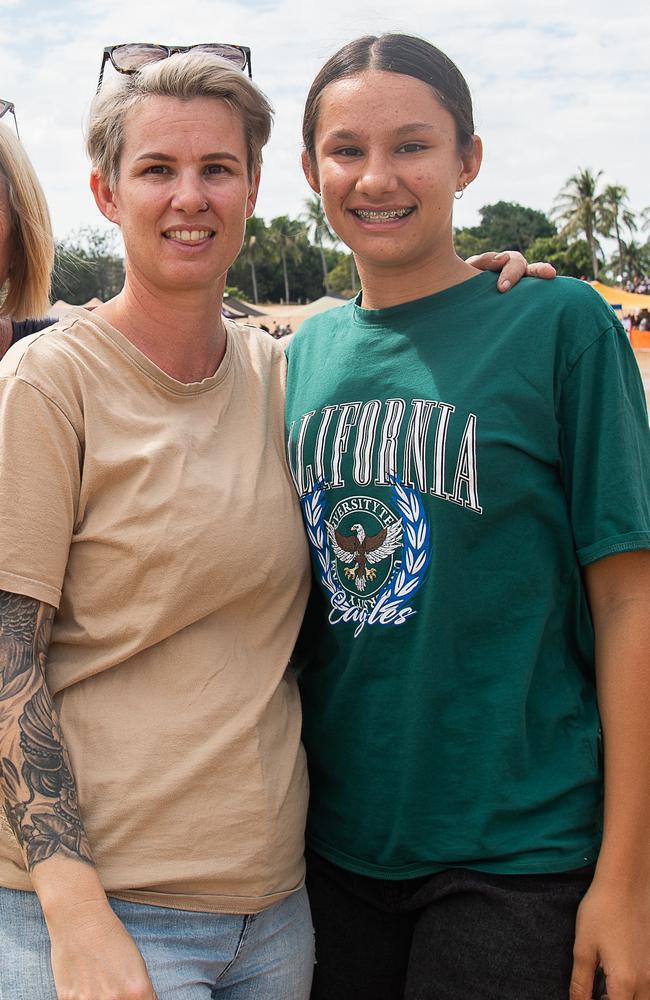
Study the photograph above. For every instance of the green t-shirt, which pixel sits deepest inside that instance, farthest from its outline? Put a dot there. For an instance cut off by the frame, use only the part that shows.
(459, 458)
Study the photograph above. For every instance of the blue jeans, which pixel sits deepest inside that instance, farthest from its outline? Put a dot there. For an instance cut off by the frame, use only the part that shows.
(190, 956)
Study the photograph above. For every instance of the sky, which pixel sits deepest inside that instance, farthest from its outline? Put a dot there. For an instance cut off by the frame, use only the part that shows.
(557, 85)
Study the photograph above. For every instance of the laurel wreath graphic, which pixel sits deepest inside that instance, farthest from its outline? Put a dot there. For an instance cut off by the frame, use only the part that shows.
(417, 551)
(313, 508)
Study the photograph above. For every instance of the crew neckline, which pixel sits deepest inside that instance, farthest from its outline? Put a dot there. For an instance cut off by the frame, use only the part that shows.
(151, 370)
(467, 290)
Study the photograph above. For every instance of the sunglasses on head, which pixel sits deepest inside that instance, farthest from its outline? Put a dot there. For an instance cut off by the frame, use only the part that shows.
(131, 57)
(6, 107)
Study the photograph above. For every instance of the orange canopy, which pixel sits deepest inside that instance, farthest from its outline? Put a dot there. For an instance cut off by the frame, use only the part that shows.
(629, 302)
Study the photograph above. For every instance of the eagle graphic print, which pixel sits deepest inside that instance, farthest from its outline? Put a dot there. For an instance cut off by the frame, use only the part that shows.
(371, 557)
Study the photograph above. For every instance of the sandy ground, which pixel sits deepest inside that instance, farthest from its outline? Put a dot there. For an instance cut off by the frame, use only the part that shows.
(279, 314)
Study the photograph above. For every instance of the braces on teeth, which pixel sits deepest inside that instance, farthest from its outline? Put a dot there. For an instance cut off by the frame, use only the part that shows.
(366, 213)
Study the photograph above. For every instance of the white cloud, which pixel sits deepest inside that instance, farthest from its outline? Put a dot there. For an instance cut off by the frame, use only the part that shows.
(557, 87)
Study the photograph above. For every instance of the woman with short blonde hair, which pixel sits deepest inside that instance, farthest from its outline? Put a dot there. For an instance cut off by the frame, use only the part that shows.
(152, 772)
(183, 79)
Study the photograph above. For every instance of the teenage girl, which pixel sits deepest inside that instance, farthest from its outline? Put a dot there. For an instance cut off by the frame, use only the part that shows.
(474, 474)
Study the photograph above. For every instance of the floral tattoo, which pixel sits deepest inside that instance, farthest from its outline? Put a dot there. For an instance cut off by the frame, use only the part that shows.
(36, 784)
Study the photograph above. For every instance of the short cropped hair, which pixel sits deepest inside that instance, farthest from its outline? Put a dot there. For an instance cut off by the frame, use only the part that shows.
(185, 75)
(26, 292)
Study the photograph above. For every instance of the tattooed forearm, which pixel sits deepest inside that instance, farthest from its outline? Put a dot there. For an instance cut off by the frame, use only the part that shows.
(36, 784)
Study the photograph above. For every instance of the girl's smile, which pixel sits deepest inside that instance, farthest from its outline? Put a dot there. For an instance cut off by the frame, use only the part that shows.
(387, 164)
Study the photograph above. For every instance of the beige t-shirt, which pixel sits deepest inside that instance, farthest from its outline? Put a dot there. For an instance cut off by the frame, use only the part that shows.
(160, 519)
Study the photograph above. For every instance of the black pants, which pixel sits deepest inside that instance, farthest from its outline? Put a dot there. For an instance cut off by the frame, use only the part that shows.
(458, 935)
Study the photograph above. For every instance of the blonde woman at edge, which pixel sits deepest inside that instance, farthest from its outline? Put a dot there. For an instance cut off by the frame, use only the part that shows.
(26, 244)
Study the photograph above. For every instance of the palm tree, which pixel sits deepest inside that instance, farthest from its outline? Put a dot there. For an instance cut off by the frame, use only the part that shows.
(636, 259)
(318, 226)
(289, 237)
(254, 247)
(579, 207)
(616, 213)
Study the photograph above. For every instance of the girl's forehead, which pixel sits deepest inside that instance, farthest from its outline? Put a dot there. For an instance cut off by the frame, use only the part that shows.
(369, 81)
(378, 99)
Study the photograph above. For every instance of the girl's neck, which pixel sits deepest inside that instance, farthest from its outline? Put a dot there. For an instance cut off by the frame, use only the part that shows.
(392, 286)
(181, 332)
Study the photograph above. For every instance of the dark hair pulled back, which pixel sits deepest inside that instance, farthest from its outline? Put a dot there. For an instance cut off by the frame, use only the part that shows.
(395, 53)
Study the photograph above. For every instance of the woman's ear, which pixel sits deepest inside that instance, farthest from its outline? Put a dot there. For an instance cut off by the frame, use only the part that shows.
(310, 172)
(104, 198)
(471, 162)
(252, 195)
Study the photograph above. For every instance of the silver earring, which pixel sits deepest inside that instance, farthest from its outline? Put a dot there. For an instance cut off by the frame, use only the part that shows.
(459, 194)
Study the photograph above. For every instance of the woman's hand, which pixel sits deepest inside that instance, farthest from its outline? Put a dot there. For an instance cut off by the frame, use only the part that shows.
(513, 266)
(613, 931)
(95, 958)
(93, 955)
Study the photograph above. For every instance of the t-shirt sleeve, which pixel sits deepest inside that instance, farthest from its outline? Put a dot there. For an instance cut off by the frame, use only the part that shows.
(605, 447)
(40, 462)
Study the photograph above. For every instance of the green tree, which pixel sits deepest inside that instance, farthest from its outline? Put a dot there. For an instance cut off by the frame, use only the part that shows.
(506, 225)
(254, 248)
(290, 239)
(578, 207)
(88, 264)
(343, 276)
(570, 259)
(617, 215)
(635, 260)
(466, 243)
(235, 292)
(303, 268)
(319, 229)
(354, 274)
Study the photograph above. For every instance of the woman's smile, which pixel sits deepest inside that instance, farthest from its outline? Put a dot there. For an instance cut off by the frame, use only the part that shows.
(192, 236)
(184, 192)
